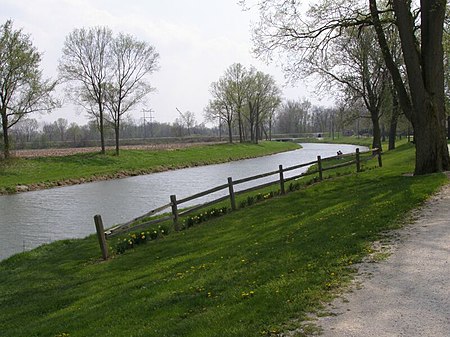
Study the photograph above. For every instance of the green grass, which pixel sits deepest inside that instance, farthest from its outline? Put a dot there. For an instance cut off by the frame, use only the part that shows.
(353, 140)
(50, 170)
(253, 272)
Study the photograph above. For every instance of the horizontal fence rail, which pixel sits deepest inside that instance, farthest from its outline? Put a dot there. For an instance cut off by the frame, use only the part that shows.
(174, 203)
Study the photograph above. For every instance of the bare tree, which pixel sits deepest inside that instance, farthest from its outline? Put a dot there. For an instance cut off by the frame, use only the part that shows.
(187, 120)
(356, 65)
(283, 28)
(131, 62)
(221, 106)
(235, 76)
(293, 116)
(61, 125)
(74, 133)
(22, 89)
(262, 97)
(84, 64)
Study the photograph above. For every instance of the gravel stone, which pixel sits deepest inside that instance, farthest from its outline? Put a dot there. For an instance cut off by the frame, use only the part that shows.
(408, 294)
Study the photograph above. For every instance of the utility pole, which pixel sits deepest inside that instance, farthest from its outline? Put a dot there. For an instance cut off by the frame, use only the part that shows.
(150, 118)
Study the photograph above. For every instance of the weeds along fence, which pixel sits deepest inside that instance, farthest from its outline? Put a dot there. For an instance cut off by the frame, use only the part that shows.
(175, 213)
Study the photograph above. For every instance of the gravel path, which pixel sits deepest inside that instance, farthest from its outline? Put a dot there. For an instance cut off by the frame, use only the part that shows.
(407, 294)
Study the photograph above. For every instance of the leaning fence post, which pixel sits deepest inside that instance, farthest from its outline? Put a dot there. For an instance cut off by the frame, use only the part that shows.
(283, 191)
(358, 161)
(101, 236)
(231, 190)
(380, 162)
(173, 201)
(319, 165)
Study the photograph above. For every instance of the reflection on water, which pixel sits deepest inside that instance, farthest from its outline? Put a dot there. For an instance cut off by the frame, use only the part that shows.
(30, 219)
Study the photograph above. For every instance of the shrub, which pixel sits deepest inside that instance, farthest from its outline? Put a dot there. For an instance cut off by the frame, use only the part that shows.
(137, 238)
(204, 216)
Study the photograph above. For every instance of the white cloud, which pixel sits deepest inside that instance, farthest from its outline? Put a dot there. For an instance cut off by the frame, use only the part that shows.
(197, 40)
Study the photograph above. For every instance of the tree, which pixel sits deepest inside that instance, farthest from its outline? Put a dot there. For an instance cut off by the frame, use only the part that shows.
(235, 76)
(74, 133)
(221, 106)
(22, 89)
(50, 131)
(84, 64)
(423, 56)
(249, 95)
(293, 116)
(262, 98)
(282, 28)
(356, 66)
(130, 62)
(61, 125)
(28, 128)
(187, 120)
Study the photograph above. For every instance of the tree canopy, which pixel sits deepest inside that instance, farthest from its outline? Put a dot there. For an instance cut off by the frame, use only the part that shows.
(107, 74)
(286, 28)
(247, 98)
(22, 88)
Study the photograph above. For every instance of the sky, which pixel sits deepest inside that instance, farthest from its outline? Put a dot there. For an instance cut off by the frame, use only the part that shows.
(197, 41)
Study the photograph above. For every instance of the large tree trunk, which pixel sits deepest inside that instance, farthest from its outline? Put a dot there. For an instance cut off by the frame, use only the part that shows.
(257, 130)
(230, 131)
(448, 127)
(102, 133)
(431, 145)
(376, 142)
(6, 152)
(394, 120)
(117, 133)
(425, 105)
(426, 81)
(101, 127)
(393, 131)
(241, 138)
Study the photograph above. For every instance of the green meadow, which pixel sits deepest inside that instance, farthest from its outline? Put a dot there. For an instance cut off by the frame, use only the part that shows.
(257, 271)
(48, 171)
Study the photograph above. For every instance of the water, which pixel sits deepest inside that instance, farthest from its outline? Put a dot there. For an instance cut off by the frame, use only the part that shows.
(30, 219)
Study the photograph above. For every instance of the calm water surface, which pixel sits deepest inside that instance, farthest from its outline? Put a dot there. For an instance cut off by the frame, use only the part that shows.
(30, 219)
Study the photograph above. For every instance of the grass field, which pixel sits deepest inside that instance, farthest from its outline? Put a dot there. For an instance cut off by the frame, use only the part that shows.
(254, 272)
(48, 171)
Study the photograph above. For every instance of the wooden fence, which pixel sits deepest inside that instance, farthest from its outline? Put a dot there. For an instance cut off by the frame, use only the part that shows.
(175, 213)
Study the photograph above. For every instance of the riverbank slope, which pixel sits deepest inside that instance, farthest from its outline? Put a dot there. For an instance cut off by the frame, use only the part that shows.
(27, 174)
(254, 272)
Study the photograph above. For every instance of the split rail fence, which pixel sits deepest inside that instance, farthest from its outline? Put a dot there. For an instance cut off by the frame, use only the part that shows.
(175, 213)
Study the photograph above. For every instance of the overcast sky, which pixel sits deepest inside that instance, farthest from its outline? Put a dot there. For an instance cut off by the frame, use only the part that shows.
(196, 39)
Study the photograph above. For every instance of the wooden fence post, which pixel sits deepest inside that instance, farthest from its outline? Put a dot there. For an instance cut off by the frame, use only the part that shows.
(380, 162)
(173, 201)
(358, 161)
(283, 191)
(231, 190)
(319, 164)
(101, 236)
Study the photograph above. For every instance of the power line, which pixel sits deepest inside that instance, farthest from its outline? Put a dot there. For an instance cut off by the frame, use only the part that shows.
(150, 118)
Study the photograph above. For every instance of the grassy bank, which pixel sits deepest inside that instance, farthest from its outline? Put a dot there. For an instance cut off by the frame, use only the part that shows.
(49, 171)
(253, 272)
(362, 141)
